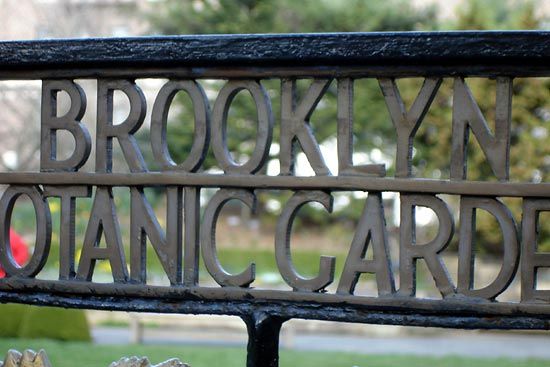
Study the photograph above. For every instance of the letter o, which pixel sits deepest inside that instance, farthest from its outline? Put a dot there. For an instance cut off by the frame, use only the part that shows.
(43, 231)
(219, 126)
(159, 117)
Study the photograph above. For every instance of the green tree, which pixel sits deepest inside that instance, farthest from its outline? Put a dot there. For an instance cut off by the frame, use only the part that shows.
(286, 16)
(530, 155)
(529, 152)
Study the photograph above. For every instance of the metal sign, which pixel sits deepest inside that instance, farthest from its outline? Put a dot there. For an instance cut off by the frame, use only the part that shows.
(244, 61)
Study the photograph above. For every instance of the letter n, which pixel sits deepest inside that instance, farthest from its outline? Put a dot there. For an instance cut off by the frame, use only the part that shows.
(467, 115)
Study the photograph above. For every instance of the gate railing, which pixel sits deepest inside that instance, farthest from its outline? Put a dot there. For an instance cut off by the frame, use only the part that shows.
(244, 61)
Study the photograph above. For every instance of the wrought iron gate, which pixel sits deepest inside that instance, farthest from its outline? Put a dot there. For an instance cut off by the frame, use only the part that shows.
(244, 61)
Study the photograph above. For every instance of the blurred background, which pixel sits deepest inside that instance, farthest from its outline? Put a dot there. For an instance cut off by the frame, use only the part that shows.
(244, 236)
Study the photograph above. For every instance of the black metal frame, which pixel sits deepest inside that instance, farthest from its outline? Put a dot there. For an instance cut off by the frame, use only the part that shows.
(491, 53)
(234, 57)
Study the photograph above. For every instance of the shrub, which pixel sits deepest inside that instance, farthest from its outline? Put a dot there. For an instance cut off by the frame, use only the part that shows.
(55, 323)
(11, 316)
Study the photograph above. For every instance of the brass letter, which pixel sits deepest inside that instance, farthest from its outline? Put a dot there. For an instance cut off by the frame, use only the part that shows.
(103, 218)
(531, 260)
(345, 135)
(143, 224)
(295, 126)
(124, 131)
(410, 251)
(70, 122)
(406, 123)
(159, 117)
(219, 126)
(67, 196)
(282, 244)
(371, 228)
(208, 238)
(43, 231)
(191, 208)
(466, 253)
(466, 115)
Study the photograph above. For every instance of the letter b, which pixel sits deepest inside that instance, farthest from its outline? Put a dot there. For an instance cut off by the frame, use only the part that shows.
(70, 122)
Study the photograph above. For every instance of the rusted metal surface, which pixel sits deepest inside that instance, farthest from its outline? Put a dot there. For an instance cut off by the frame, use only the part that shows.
(244, 61)
(515, 53)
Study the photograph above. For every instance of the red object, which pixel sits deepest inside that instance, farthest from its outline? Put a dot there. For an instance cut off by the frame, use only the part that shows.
(19, 250)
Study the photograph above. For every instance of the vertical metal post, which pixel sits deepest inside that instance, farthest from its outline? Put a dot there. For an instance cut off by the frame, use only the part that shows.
(263, 340)
(136, 329)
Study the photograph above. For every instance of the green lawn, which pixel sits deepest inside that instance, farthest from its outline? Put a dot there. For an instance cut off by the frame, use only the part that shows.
(85, 354)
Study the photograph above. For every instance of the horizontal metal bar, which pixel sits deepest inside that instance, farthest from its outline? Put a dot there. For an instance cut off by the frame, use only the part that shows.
(280, 309)
(404, 53)
(453, 305)
(327, 183)
(454, 312)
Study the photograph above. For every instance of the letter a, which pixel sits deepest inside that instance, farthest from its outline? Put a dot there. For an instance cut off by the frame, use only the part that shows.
(371, 228)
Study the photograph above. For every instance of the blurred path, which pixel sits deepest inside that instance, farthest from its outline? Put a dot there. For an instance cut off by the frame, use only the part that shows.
(491, 345)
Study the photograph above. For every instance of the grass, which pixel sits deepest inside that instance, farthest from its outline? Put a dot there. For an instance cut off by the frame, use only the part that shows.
(69, 354)
(233, 259)
(305, 261)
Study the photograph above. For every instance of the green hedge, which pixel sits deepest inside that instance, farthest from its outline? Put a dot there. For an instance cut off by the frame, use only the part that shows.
(43, 322)
(11, 316)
